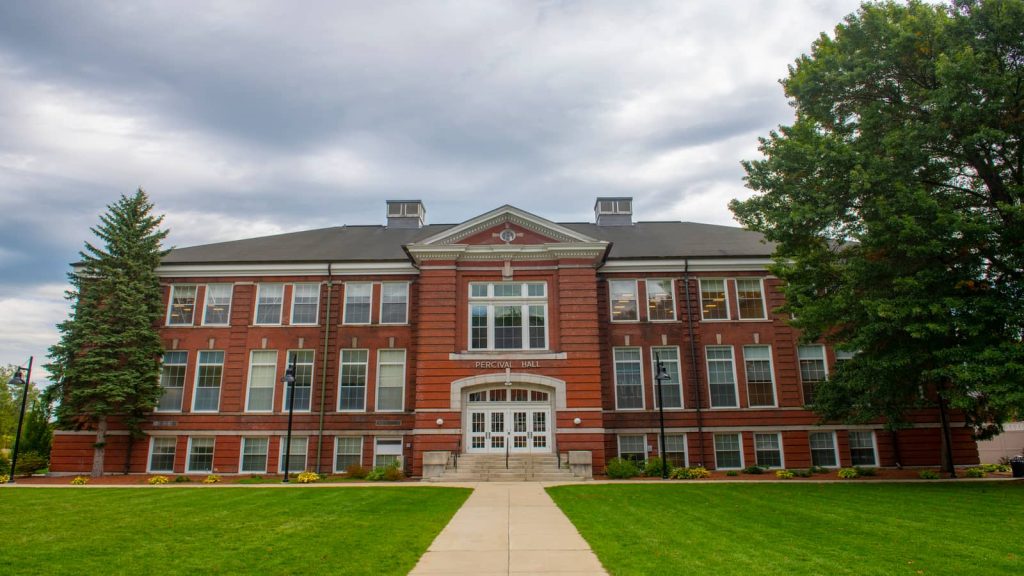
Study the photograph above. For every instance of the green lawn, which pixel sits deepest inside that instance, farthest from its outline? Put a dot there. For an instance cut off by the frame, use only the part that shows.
(857, 528)
(171, 530)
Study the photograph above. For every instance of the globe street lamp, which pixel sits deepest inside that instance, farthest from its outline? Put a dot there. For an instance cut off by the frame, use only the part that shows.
(661, 378)
(289, 382)
(16, 380)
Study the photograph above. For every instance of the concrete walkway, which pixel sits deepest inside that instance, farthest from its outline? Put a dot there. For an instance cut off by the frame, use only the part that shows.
(509, 529)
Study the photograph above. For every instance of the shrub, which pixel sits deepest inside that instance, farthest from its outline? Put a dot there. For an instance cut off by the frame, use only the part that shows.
(375, 475)
(732, 473)
(652, 468)
(4, 478)
(80, 480)
(29, 462)
(619, 468)
(848, 473)
(157, 480)
(818, 470)
(393, 474)
(975, 472)
(866, 471)
(801, 473)
(5, 464)
(784, 474)
(308, 477)
(211, 479)
(928, 475)
(695, 473)
(181, 479)
(754, 470)
(356, 471)
(991, 468)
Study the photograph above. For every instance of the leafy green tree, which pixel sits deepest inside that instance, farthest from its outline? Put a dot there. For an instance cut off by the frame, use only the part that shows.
(107, 362)
(895, 202)
(38, 429)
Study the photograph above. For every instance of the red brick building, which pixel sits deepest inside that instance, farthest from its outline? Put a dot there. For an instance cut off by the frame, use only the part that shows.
(505, 333)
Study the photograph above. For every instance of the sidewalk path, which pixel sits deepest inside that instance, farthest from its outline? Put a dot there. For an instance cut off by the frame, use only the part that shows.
(509, 529)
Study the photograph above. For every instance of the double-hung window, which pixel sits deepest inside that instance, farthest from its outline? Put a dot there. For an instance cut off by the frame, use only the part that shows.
(268, 303)
(675, 449)
(713, 302)
(358, 297)
(633, 447)
(768, 450)
(623, 299)
(172, 381)
(254, 454)
(862, 448)
(217, 311)
(750, 299)
(296, 456)
(629, 380)
(348, 451)
(823, 449)
(209, 370)
(661, 300)
(305, 303)
(671, 389)
(200, 455)
(722, 377)
(812, 370)
(303, 386)
(183, 306)
(394, 303)
(262, 377)
(508, 316)
(757, 362)
(352, 381)
(728, 451)
(390, 380)
(387, 452)
(161, 453)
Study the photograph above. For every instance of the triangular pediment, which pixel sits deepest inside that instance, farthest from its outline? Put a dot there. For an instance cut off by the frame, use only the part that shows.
(533, 230)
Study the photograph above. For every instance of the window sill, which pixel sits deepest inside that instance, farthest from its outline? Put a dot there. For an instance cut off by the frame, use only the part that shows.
(499, 355)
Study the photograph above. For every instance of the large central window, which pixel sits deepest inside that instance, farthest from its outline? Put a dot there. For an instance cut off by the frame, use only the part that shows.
(508, 316)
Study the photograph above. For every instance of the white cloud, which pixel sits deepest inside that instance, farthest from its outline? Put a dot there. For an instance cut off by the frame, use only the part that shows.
(28, 323)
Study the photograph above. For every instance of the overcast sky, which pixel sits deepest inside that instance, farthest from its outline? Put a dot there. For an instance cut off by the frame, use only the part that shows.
(249, 118)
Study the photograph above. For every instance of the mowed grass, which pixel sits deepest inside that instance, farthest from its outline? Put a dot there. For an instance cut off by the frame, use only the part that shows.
(171, 530)
(857, 528)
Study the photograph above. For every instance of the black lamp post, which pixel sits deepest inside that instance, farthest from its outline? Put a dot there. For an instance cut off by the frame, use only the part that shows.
(289, 382)
(661, 378)
(17, 381)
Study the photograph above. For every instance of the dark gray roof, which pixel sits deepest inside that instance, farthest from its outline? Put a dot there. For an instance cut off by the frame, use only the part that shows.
(380, 243)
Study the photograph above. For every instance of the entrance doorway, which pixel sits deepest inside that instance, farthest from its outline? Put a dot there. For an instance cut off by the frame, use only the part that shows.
(516, 420)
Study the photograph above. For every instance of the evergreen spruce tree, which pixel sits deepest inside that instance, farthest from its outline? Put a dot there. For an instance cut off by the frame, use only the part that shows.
(107, 363)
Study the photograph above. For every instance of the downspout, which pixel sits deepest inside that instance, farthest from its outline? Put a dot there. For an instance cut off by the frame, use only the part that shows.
(693, 360)
(323, 369)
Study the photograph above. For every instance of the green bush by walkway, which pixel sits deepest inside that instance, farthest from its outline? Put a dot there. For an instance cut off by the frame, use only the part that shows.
(884, 529)
(220, 530)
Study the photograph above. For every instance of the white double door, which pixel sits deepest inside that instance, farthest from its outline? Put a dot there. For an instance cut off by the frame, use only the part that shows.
(516, 430)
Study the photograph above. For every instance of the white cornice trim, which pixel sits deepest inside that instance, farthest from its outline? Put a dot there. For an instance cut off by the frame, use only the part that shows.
(502, 215)
(291, 269)
(463, 252)
(696, 265)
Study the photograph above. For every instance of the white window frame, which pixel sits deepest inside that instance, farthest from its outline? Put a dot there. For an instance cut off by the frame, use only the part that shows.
(188, 456)
(679, 371)
(700, 299)
(618, 444)
(344, 306)
(241, 455)
(366, 377)
(312, 379)
(799, 371)
(735, 379)
(771, 372)
(273, 382)
(389, 439)
(611, 301)
(874, 447)
(714, 447)
(149, 457)
(256, 309)
(170, 305)
(835, 447)
(381, 305)
(782, 449)
(184, 382)
(615, 378)
(686, 446)
(671, 293)
(405, 375)
(764, 300)
(206, 304)
(524, 301)
(291, 311)
(195, 381)
(281, 450)
(337, 443)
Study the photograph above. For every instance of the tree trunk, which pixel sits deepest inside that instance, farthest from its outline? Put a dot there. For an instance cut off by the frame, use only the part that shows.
(947, 439)
(128, 454)
(100, 447)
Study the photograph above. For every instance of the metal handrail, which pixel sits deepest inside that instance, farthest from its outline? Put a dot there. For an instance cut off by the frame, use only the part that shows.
(506, 453)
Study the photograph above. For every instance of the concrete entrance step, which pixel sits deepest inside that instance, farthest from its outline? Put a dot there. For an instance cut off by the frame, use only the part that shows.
(496, 468)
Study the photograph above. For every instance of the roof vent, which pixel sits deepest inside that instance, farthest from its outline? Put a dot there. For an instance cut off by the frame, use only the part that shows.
(614, 211)
(406, 214)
